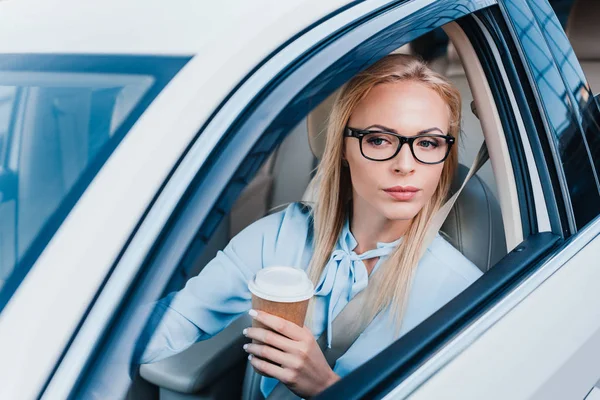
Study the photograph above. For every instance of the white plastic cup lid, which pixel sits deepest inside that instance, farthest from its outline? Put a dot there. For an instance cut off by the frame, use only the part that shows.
(282, 284)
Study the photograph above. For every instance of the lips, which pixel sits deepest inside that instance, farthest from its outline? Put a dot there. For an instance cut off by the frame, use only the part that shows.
(402, 193)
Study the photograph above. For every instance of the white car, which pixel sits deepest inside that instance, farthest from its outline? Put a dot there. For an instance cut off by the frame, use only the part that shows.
(136, 138)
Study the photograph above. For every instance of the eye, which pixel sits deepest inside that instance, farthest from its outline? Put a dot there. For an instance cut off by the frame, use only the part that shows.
(377, 140)
(428, 143)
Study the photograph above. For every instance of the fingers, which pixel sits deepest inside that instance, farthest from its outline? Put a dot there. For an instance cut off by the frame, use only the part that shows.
(271, 354)
(284, 327)
(271, 338)
(266, 368)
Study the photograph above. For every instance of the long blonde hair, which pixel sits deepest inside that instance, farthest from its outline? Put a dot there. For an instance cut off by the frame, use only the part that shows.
(332, 206)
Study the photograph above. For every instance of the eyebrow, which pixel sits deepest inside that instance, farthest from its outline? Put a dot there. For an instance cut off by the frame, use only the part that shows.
(385, 128)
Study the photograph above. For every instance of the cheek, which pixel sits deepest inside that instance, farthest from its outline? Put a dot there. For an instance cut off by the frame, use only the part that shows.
(363, 174)
(360, 170)
(431, 178)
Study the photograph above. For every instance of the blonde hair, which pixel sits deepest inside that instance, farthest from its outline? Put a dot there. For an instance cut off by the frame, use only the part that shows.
(335, 190)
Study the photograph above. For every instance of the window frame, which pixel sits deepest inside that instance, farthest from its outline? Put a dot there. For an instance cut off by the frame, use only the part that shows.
(192, 211)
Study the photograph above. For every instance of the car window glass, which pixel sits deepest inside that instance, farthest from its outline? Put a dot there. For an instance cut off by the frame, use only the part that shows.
(57, 125)
(60, 122)
(7, 103)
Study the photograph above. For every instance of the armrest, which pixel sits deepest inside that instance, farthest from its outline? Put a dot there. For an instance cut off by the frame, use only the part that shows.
(198, 366)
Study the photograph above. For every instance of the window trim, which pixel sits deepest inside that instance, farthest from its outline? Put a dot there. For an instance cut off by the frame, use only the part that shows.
(503, 106)
(534, 127)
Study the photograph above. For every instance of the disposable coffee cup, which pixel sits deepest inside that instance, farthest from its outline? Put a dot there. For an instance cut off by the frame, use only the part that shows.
(281, 291)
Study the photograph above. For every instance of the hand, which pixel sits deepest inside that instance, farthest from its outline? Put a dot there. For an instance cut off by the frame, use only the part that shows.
(290, 354)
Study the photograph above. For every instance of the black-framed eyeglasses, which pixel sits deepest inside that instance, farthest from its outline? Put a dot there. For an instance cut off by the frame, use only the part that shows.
(378, 145)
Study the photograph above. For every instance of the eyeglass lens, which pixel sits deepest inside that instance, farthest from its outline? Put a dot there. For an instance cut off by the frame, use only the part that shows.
(382, 146)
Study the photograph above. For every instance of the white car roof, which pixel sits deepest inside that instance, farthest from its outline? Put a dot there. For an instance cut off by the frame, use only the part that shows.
(213, 28)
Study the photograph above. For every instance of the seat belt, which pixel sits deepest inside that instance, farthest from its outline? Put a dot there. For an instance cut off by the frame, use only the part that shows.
(347, 327)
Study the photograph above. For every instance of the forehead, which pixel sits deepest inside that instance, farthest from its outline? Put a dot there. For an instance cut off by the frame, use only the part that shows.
(405, 106)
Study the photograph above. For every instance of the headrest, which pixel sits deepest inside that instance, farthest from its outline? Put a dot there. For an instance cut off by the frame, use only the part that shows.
(581, 29)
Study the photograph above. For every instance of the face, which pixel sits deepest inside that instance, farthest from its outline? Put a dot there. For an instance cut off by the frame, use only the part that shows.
(398, 188)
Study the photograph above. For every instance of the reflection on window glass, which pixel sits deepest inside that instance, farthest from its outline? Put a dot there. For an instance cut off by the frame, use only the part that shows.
(57, 126)
(7, 102)
(51, 132)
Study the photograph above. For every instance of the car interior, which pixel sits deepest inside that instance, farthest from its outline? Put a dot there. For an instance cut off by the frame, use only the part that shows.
(484, 224)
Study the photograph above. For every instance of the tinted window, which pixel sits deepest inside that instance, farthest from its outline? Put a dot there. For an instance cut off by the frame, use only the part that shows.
(60, 118)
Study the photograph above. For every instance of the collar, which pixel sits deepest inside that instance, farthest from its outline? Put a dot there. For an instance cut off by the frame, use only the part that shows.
(348, 242)
(345, 274)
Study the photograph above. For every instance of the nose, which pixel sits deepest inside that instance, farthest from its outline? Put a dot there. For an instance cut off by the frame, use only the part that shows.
(404, 163)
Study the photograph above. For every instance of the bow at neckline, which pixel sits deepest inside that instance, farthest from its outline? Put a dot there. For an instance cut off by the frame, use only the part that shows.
(346, 272)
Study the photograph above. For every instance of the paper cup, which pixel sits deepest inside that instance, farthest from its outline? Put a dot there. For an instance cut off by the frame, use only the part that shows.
(281, 291)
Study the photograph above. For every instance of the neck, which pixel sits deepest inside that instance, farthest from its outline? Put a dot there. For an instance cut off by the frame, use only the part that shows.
(370, 227)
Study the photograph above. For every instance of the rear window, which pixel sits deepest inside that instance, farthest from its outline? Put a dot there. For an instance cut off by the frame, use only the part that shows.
(61, 116)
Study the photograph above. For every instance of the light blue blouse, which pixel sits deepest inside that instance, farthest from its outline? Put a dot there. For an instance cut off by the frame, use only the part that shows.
(219, 294)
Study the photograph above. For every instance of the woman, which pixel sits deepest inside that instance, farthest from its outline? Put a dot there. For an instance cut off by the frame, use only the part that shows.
(389, 160)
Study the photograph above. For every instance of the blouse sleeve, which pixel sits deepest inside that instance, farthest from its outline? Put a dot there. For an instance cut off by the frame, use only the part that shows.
(210, 301)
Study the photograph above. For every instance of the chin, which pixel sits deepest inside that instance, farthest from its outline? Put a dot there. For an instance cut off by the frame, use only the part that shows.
(400, 211)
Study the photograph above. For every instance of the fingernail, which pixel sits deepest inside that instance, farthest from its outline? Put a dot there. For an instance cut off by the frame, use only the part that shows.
(253, 313)
(245, 347)
(250, 357)
(245, 332)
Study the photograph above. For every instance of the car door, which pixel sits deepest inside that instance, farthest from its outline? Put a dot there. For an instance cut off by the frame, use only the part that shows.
(285, 89)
